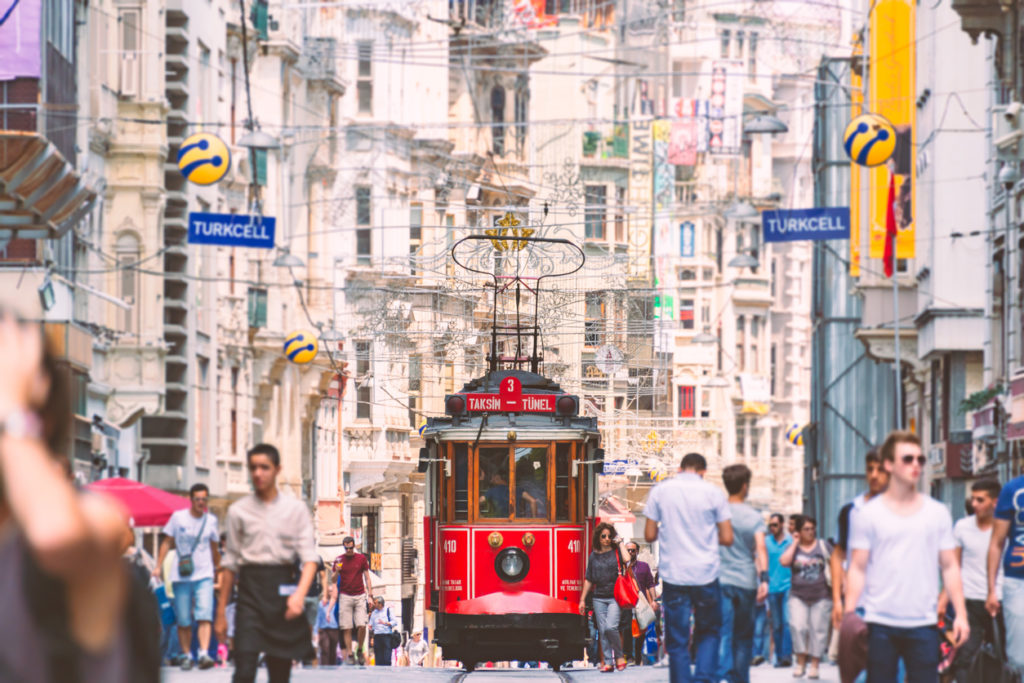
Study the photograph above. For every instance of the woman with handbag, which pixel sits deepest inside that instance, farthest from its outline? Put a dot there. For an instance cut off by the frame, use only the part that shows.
(603, 572)
(810, 600)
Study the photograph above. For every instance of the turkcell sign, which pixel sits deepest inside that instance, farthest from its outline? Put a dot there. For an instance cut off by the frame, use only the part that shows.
(831, 223)
(528, 403)
(231, 230)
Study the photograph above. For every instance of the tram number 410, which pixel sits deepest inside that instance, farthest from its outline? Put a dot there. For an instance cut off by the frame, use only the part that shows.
(451, 546)
(575, 545)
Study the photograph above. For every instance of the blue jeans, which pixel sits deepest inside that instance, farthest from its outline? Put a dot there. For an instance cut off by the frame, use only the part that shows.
(762, 648)
(705, 605)
(917, 647)
(606, 611)
(737, 639)
(778, 608)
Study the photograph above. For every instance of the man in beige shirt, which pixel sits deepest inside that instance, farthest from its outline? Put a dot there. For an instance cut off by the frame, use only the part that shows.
(266, 534)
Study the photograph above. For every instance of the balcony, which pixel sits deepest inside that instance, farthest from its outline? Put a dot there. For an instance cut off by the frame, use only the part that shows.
(983, 17)
(608, 142)
(752, 291)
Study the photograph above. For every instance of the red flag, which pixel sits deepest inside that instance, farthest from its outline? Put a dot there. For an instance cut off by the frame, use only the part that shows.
(889, 257)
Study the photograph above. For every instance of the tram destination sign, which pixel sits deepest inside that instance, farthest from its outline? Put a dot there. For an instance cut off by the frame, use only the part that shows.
(523, 403)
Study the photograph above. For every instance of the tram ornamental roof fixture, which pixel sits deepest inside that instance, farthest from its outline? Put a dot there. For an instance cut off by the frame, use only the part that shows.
(41, 194)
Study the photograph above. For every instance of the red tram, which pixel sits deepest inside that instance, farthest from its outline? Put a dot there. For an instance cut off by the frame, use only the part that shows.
(511, 495)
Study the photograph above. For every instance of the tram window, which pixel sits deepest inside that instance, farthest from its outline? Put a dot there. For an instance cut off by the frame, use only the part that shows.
(461, 512)
(532, 483)
(493, 472)
(562, 455)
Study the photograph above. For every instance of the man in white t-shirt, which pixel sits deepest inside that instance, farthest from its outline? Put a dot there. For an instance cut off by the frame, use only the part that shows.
(192, 532)
(973, 535)
(898, 541)
(690, 518)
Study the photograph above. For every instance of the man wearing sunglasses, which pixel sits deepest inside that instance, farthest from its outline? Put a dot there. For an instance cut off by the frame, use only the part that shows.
(896, 541)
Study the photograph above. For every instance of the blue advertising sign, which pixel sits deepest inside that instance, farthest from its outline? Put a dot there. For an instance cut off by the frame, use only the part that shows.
(686, 237)
(231, 230)
(829, 223)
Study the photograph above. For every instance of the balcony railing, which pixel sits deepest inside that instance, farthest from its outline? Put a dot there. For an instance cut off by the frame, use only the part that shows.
(607, 142)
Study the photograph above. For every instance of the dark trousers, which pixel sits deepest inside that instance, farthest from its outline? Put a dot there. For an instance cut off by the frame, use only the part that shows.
(980, 622)
(328, 639)
(626, 632)
(704, 604)
(382, 650)
(737, 635)
(246, 664)
(917, 647)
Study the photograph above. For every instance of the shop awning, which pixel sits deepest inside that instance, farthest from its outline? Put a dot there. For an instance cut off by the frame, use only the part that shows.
(147, 505)
(41, 194)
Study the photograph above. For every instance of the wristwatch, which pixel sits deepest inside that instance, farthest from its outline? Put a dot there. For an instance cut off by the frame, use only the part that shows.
(21, 424)
(763, 576)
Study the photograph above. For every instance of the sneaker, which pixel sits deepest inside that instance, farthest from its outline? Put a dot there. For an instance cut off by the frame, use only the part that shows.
(186, 663)
(206, 662)
(757, 661)
(351, 660)
(361, 657)
(783, 663)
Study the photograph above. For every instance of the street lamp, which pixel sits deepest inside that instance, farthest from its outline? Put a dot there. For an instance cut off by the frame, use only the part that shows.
(704, 338)
(740, 210)
(743, 260)
(717, 382)
(764, 124)
(257, 140)
(286, 259)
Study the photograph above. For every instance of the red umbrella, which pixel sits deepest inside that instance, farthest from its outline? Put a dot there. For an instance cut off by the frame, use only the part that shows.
(147, 505)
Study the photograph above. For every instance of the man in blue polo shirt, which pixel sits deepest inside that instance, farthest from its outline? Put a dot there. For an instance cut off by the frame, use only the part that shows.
(691, 518)
(776, 543)
(1008, 536)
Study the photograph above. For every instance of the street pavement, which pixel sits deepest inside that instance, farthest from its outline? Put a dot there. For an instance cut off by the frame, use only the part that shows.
(645, 674)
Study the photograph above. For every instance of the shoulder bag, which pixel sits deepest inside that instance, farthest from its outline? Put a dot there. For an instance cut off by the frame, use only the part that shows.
(185, 563)
(626, 591)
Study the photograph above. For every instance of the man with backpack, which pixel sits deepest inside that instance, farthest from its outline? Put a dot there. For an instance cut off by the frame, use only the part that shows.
(385, 638)
(192, 532)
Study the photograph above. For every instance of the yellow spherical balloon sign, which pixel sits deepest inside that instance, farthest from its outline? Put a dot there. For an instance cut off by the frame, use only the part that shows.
(300, 347)
(869, 140)
(203, 158)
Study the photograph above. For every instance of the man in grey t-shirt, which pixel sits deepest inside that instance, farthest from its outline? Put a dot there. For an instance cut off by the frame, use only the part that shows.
(744, 578)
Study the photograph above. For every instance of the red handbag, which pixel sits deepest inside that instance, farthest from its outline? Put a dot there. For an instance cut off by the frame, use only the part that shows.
(627, 593)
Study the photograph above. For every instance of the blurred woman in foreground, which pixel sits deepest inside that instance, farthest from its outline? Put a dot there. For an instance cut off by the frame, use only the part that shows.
(64, 588)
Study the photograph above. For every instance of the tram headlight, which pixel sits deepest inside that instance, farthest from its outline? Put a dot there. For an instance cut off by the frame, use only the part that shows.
(454, 405)
(512, 564)
(566, 406)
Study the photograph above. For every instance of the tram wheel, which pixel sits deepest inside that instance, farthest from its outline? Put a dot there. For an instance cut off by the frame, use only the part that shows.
(469, 666)
(556, 666)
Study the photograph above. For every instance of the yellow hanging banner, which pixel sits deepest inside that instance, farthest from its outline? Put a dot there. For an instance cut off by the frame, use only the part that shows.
(891, 81)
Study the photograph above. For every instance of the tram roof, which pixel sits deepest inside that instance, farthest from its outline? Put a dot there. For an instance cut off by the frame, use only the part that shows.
(528, 427)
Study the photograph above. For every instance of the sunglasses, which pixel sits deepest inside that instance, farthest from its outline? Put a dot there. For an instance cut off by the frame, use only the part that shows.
(606, 535)
(633, 551)
(773, 525)
(909, 460)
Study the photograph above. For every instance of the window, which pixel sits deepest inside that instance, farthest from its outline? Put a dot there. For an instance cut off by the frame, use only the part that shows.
(364, 77)
(740, 37)
(130, 21)
(705, 403)
(415, 234)
(755, 336)
(772, 369)
(364, 392)
(204, 105)
(563, 456)
(594, 210)
(686, 313)
(522, 104)
(687, 407)
(498, 120)
(741, 437)
(364, 248)
(593, 326)
(620, 213)
(752, 56)
(531, 482)
(128, 254)
(461, 498)
(740, 344)
(415, 373)
(257, 307)
(493, 485)
(259, 166)
(726, 38)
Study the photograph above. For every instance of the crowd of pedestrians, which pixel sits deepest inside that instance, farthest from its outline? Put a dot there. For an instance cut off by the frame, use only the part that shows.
(871, 601)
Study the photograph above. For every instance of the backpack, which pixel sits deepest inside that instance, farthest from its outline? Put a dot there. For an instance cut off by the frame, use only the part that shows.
(140, 621)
